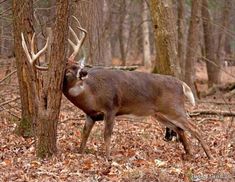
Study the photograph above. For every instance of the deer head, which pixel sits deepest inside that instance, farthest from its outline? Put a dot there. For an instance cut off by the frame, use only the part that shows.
(73, 68)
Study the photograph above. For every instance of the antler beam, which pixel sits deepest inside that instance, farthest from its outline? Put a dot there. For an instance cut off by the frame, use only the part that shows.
(32, 57)
(79, 42)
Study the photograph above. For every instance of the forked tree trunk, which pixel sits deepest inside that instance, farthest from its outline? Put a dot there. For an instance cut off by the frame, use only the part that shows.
(212, 70)
(50, 98)
(45, 101)
(193, 37)
(165, 38)
(22, 22)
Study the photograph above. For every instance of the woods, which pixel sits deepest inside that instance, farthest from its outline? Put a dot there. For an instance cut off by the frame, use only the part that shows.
(190, 40)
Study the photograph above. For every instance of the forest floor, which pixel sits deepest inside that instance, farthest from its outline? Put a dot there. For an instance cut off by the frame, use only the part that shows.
(139, 152)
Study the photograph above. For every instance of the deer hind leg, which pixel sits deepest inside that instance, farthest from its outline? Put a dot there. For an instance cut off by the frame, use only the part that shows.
(178, 130)
(181, 122)
(86, 132)
(108, 129)
(183, 140)
(189, 126)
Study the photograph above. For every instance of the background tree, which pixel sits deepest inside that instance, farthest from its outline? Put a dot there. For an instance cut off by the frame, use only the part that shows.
(164, 27)
(146, 34)
(6, 43)
(181, 23)
(222, 35)
(212, 69)
(91, 15)
(192, 45)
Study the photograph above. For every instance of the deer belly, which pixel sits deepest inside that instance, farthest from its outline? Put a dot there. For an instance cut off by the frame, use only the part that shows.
(138, 110)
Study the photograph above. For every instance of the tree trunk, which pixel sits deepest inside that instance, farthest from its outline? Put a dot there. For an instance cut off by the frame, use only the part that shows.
(145, 33)
(121, 30)
(6, 45)
(107, 32)
(222, 36)
(22, 22)
(43, 99)
(181, 37)
(165, 33)
(50, 98)
(192, 45)
(90, 13)
(212, 70)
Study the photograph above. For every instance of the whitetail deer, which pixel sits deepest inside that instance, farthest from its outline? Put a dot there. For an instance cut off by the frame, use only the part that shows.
(105, 93)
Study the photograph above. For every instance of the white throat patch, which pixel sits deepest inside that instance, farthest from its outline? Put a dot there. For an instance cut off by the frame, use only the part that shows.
(76, 90)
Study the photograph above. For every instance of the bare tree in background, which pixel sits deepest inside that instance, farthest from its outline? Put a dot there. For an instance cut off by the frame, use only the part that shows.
(6, 43)
(165, 33)
(91, 15)
(146, 34)
(193, 42)
(212, 70)
(222, 36)
(181, 36)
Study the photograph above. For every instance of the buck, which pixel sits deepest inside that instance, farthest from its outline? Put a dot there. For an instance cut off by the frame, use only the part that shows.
(105, 93)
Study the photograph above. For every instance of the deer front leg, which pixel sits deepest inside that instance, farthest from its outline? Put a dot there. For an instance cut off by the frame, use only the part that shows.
(86, 132)
(108, 129)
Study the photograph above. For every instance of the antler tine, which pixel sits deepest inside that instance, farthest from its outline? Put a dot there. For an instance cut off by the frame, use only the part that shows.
(33, 57)
(79, 43)
(26, 49)
(79, 26)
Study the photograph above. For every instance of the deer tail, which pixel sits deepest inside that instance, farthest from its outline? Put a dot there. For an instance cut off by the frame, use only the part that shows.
(188, 93)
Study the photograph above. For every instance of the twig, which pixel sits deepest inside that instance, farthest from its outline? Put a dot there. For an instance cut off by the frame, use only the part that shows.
(205, 119)
(8, 76)
(47, 173)
(217, 103)
(72, 119)
(209, 112)
(9, 101)
(11, 113)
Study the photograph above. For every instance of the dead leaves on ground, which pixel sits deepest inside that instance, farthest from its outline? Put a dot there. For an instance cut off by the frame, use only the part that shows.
(138, 150)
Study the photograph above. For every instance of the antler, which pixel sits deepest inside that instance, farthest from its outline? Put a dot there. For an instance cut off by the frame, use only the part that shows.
(79, 43)
(32, 57)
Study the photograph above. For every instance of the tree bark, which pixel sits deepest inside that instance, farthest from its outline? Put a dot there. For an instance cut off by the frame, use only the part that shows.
(165, 33)
(90, 14)
(121, 30)
(222, 36)
(44, 92)
(181, 36)
(212, 71)
(192, 45)
(50, 98)
(165, 38)
(145, 33)
(22, 22)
